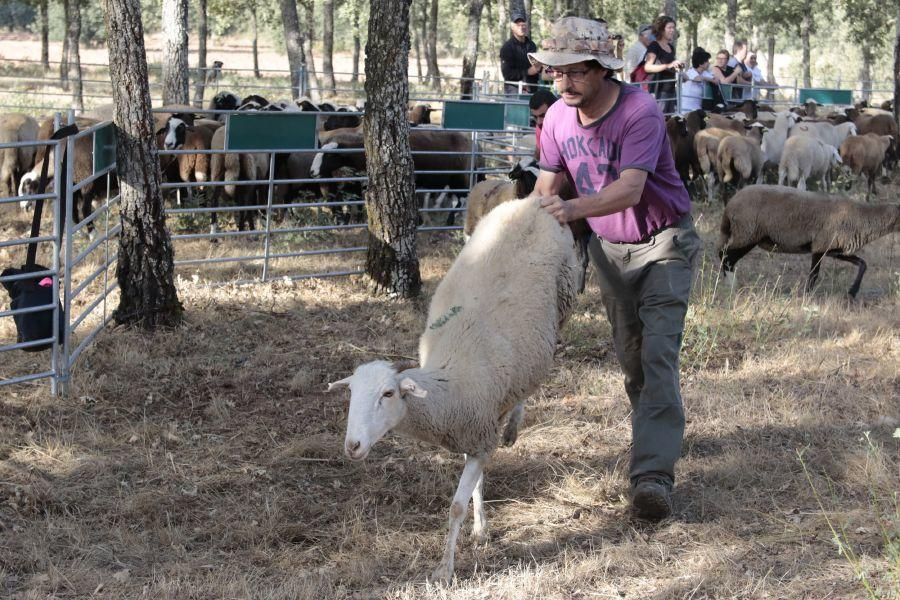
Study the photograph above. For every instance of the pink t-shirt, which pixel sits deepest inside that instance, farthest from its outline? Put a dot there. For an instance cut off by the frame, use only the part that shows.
(631, 136)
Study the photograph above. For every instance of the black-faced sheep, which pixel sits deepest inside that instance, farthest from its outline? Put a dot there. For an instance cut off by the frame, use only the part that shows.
(780, 219)
(182, 132)
(681, 131)
(15, 162)
(477, 363)
(865, 154)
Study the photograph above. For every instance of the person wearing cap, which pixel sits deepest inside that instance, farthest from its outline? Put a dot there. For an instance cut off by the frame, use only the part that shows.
(514, 63)
(634, 56)
(610, 140)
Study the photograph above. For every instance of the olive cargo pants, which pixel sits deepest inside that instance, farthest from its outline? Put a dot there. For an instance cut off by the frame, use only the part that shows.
(645, 289)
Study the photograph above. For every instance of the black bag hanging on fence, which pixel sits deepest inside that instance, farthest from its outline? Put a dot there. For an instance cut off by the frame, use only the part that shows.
(38, 291)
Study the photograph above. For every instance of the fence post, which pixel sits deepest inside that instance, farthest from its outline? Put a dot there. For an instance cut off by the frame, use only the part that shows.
(57, 250)
(67, 282)
(267, 243)
(796, 91)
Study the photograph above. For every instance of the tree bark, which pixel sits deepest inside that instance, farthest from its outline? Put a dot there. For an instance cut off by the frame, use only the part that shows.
(175, 88)
(64, 60)
(670, 8)
(144, 269)
(74, 34)
(432, 47)
(354, 77)
(392, 260)
(45, 35)
(865, 73)
(255, 42)
(731, 11)
(293, 42)
(470, 58)
(202, 34)
(805, 31)
(897, 62)
(770, 66)
(310, 6)
(328, 46)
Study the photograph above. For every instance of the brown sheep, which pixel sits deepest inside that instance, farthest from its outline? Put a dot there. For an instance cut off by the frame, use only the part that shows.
(15, 162)
(880, 125)
(706, 145)
(780, 219)
(740, 158)
(865, 154)
(681, 131)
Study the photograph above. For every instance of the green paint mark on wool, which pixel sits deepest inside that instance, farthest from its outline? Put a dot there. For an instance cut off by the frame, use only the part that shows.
(442, 320)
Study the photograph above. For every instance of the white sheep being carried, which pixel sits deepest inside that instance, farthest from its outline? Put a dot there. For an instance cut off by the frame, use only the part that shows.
(489, 342)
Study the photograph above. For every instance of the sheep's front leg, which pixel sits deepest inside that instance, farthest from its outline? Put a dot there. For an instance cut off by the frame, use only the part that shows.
(469, 479)
(479, 525)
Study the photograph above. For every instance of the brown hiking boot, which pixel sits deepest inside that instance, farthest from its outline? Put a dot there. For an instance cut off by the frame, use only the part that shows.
(651, 498)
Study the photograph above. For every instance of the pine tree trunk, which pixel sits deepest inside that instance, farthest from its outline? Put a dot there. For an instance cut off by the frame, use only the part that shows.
(897, 62)
(805, 27)
(670, 8)
(417, 45)
(423, 35)
(354, 77)
(731, 10)
(392, 261)
(770, 66)
(74, 33)
(432, 47)
(45, 36)
(865, 73)
(202, 34)
(328, 45)
(492, 51)
(175, 88)
(310, 6)
(64, 60)
(255, 42)
(293, 41)
(470, 58)
(144, 270)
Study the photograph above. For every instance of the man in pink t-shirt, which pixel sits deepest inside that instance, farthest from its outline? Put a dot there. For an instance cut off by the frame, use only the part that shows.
(610, 141)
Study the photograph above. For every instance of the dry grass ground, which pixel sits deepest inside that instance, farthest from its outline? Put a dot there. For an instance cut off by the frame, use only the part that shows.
(205, 462)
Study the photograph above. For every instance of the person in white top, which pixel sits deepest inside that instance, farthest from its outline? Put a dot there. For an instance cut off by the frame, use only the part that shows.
(738, 55)
(694, 81)
(635, 53)
(756, 75)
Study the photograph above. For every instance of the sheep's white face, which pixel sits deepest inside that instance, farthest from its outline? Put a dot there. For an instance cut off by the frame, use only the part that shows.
(377, 405)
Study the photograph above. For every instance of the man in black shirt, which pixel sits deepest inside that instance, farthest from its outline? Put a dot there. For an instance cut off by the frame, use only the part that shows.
(514, 63)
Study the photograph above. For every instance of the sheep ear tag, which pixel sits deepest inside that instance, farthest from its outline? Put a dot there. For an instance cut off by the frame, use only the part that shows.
(345, 382)
(408, 386)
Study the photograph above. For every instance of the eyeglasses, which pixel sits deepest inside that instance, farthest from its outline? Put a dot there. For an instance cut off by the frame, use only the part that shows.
(576, 75)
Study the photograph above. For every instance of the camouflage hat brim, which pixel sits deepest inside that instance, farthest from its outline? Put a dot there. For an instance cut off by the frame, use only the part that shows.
(559, 59)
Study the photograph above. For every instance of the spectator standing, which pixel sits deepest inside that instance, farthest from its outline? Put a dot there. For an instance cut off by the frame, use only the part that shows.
(694, 81)
(610, 139)
(538, 104)
(634, 56)
(737, 58)
(514, 64)
(661, 63)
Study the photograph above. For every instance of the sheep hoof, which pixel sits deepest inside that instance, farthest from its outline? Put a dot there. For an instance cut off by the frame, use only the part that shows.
(480, 536)
(730, 279)
(442, 574)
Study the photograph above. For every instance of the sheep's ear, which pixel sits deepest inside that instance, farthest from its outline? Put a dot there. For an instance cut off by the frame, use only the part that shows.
(345, 382)
(161, 130)
(408, 386)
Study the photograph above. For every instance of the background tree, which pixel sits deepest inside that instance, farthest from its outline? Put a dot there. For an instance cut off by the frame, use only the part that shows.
(144, 270)
(897, 60)
(328, 46)
(670, 8)
(869, 29)
(293, 41)
(45, 34)
(731, 12)
(64, 59)
(392, 260)
(434, 70)
(470, 58)
(313, 76)
(254, 42)
(74, 37)
(202, 35)
(354, 8)
(175, 88)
